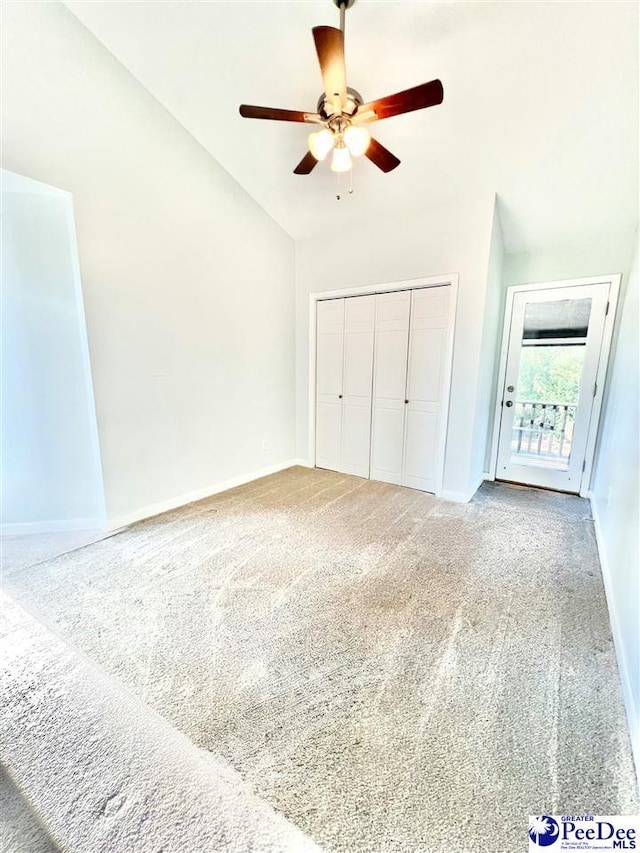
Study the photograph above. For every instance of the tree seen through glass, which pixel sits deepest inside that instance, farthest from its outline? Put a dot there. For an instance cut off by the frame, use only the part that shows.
(550, 374)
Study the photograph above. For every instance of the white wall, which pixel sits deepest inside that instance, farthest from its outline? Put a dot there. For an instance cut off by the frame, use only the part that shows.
(188, 284)
(442, 240)
(51, 476)
(489, 353)
(584, 257)
(615, 498)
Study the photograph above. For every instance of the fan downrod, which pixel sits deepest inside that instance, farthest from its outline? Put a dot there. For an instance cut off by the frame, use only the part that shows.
(343, 5)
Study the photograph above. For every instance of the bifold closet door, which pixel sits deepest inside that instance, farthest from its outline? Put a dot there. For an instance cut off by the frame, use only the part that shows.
(359, 317)
(329, 357)
(344, 371)
(389, 383)
(426, 385)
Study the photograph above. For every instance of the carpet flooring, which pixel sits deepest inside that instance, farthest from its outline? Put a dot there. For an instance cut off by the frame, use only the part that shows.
(20, 830)
(390, 671)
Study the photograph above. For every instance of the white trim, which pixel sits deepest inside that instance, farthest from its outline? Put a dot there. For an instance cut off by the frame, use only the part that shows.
(463, 497)
(450, 279)
(569, 282)
(303, 463)
(27, 528)
(197, 495)
(601, 378)
(387, 287)
(632, 710)
(442, 449)
(613, 280)
(92, 417)
(502, 371)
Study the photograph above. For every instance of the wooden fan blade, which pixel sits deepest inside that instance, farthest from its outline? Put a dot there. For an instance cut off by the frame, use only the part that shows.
(381, 156)
(330, 49)
(306, 165)
(248, 111)
(426, 95)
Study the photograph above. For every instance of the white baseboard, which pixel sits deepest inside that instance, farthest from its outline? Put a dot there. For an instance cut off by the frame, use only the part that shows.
(633, 712)
(303, 463)
(455, 497)
(462, 497)
(206, 492)
(65, 525)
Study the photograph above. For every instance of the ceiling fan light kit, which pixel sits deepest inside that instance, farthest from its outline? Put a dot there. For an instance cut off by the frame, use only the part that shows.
(321, 142)
(341, 111)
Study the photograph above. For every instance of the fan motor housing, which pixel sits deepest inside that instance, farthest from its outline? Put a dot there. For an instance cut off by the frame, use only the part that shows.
(354, 100)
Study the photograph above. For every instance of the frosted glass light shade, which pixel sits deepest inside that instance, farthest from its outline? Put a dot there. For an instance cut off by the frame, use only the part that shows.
(357, 139)
(341, 160)
(320, 143)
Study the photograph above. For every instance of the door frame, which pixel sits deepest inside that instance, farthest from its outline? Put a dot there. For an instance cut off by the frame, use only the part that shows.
(450, 279)
(613, 281)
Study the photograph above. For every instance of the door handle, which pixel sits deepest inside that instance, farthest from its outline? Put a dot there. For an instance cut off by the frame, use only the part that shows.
(406, 401)
(508, 404)
(339, 396)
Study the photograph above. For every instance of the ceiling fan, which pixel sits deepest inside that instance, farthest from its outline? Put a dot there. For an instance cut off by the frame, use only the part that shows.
(341, 111)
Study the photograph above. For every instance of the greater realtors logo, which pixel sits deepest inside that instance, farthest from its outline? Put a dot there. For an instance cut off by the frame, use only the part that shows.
(583, 832)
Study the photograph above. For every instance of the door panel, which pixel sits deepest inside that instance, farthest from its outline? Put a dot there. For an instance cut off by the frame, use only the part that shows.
(330, 347)
(425, 365)
(552, 362)
(391, 363)
(330, 350)
(426, 374)
(328, 435)
(359, 321)
(356, 439)
(421, 451)
(389, 384)
(387, 441)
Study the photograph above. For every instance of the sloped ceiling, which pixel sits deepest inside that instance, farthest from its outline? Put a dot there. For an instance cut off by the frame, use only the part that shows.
(541, 104)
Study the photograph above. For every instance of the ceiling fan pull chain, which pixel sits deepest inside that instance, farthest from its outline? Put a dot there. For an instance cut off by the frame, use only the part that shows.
(350, 181)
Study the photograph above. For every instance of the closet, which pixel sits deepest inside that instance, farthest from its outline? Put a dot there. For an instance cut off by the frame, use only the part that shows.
(382, 369)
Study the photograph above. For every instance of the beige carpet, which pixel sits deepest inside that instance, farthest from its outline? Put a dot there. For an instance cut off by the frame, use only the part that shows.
(103, 772)
(20, 830)
(390, 671)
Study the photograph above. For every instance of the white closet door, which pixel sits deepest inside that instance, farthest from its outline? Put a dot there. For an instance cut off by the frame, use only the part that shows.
(389, 382)
(359, 316)
(426, 375)
(330, 345)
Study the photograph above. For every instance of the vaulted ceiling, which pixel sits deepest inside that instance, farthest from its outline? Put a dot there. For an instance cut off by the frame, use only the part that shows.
(541, 104)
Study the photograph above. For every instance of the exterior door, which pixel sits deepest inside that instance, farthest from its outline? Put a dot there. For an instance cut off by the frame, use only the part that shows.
(554, 349)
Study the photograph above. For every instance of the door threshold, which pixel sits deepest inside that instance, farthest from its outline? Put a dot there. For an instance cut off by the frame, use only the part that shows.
(517, 485)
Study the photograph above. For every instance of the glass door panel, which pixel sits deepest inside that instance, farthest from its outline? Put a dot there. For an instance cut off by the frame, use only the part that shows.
(546, 402)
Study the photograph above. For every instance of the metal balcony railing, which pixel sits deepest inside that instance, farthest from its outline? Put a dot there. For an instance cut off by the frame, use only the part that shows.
(543, 430)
